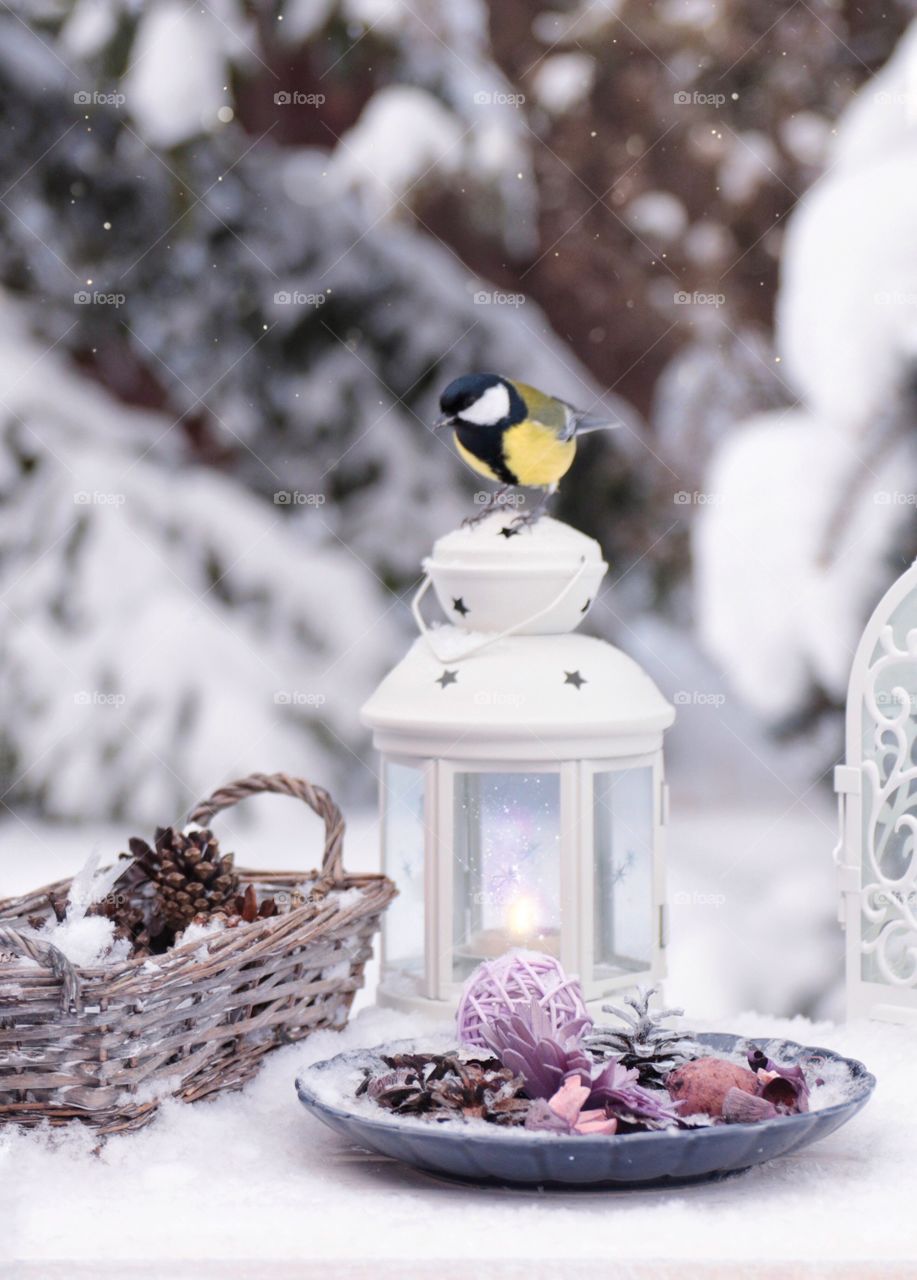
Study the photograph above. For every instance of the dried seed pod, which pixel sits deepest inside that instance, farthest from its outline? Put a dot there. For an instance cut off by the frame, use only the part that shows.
(701, 1086)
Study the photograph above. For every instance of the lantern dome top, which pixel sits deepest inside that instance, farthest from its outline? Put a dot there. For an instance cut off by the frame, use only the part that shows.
(523, 697)
(491, 544)
(535, 580)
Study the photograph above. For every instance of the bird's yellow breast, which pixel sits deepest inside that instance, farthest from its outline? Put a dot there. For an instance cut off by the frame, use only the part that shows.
(534, 454)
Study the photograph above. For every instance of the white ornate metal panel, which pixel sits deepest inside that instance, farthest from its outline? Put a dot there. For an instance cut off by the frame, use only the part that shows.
(877, 853)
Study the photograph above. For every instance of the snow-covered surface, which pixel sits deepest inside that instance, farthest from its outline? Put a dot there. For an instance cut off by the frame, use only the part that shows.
(657, 213)
(251, 1178)
(563, 80)
(427, 134)
(164, 627)
(781, 511)
(801, 504)
(88, 941)
(452, 109)
(849, 334)
(177, 80)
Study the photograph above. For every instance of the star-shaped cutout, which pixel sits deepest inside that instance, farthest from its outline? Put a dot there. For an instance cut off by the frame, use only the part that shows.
(508, 532)
(574, 678)
(459, 605)
(586, 605)
(448, 677)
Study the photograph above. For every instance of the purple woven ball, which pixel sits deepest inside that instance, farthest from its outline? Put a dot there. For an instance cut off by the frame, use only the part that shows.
(497, 987)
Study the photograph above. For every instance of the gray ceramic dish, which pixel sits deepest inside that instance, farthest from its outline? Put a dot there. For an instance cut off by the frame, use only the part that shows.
(516, 1158)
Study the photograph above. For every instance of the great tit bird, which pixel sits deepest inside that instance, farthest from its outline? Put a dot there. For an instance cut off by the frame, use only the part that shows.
(514, 434)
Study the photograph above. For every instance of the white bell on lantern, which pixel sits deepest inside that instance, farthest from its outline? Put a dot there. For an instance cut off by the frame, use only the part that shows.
(523, 798)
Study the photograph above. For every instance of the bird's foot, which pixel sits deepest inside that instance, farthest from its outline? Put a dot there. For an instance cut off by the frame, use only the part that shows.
(471, 521)
(528, 519)
(494, 500)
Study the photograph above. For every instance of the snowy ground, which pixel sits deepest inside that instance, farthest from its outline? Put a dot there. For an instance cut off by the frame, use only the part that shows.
(250, 1178)
(253, 1181)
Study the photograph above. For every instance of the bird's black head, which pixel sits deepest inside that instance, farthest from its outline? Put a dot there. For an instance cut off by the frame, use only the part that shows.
(480, 400)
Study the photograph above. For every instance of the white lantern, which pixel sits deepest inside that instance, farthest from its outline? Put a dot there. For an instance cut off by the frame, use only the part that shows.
(522, 798)
(877, 795)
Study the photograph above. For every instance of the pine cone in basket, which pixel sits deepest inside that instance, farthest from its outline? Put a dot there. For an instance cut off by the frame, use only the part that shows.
(243, 910)
(247, 909)
(131, 922)
(190, 874)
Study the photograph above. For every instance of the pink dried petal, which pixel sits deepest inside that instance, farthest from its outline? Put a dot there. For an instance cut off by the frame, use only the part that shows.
(596, 1122)
(568, 1101)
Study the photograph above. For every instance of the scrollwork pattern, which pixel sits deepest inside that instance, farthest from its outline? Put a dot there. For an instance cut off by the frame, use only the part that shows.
(889, 774)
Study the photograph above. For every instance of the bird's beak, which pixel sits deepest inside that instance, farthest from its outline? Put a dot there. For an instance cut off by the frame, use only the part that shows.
(444, 420)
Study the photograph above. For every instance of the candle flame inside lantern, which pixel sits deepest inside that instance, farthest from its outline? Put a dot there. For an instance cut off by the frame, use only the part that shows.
(522, 917)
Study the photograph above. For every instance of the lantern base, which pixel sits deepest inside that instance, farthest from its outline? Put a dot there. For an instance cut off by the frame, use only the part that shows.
(391, 994)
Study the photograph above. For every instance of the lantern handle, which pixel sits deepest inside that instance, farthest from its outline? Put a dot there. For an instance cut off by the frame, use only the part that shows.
(494, 637)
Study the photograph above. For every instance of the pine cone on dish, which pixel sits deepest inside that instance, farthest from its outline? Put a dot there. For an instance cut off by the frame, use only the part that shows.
(444, 1087)
(643, 1042)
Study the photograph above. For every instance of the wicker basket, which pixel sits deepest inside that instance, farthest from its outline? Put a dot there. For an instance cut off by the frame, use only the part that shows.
(105, 1046)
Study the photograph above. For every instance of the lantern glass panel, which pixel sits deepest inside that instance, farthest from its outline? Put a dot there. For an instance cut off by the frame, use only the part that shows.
(623, 835)
(403, 860)
(889, 799)
(507, 855)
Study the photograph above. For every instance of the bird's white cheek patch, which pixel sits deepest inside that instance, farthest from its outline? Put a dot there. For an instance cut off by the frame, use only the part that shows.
(488, 409)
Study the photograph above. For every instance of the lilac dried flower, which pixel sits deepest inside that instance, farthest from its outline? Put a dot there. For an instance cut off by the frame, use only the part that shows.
(532, 1042)
(617, 1090)
(785, 1087)
(497, 988)
(740, 1107)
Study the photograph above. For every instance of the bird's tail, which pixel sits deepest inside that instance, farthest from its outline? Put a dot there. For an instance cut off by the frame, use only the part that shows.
(585, 422)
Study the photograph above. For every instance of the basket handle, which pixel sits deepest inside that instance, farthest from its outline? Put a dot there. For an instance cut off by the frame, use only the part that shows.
(316, 798)
(37, 948)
